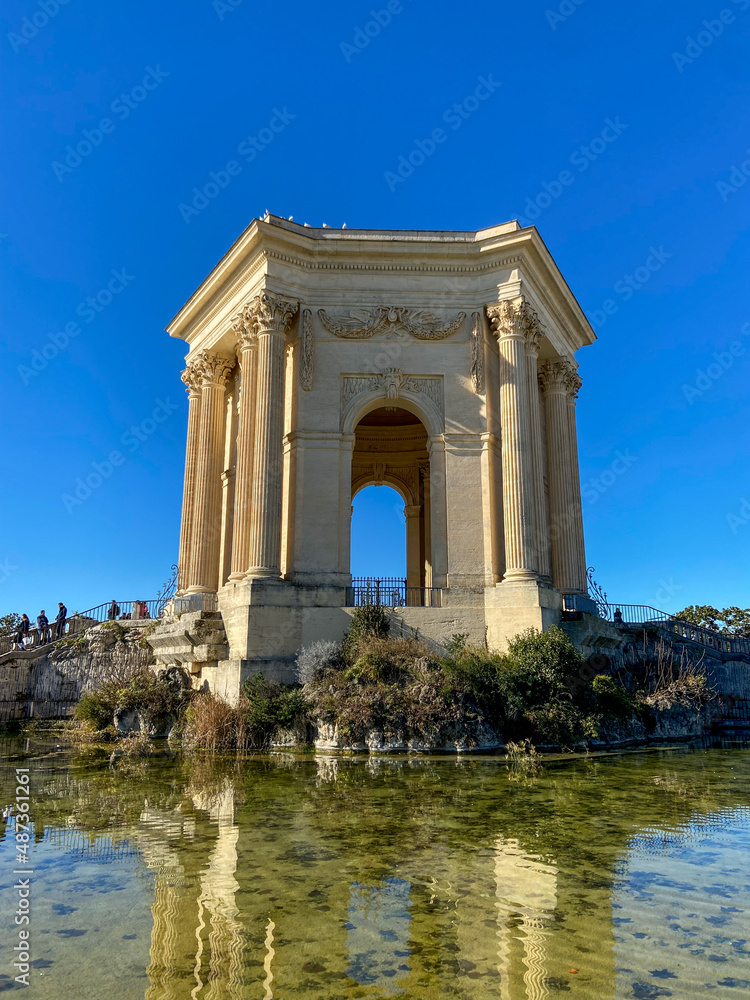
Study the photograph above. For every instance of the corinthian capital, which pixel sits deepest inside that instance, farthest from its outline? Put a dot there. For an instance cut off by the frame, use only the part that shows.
(243, 330)
(559, 376)
(214, 368)
(515, 319)
(270, 313)
(192, 378)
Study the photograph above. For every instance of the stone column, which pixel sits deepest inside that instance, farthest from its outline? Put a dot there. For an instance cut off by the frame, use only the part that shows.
(557, 378)
(413, 569)
(243, 481)
(534, 335)
(192, 379)
(270, 316)
(204, 562)
(438, 513)
(580, 576)
(427, 528)
(510, 321)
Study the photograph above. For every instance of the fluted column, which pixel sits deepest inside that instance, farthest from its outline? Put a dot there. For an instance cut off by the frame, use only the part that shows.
(243, 488)
(438, 513)
(192, 379)
(270, 316)
(413, 564)
(557, 378)
(204, 563)
(534, 336)
(510, 322)
(580, 577)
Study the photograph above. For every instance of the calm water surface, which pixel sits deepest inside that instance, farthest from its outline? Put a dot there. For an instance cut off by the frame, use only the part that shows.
(314, 877)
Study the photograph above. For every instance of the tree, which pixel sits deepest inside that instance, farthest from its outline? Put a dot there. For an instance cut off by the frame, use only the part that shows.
(9, 623)
(730, 621)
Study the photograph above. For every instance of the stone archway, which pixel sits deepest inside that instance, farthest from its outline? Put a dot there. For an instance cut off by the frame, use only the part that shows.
(391, 447)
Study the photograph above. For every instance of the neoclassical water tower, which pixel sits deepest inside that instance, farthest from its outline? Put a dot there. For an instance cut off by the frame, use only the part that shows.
(322, 361)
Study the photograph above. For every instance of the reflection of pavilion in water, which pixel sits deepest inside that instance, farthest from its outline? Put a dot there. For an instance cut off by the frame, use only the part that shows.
(246, 907)
(484, 922)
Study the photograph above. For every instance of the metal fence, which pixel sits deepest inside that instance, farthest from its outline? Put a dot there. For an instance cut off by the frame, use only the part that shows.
(391, 592)
(195, 602)
(81, 620)
(642, 614)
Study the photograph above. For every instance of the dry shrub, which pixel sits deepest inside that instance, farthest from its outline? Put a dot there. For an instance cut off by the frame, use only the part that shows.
(213, 724)
(669, 681)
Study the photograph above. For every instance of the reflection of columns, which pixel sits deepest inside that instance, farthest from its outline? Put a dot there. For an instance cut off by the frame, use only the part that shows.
(438, 514)
(270, 317)
(413, 569)
(526, 888)
(510, 322)
(221, 972)
(243, 483)
(204, 564)
(558, 378)
(541, 513)
(192, 379)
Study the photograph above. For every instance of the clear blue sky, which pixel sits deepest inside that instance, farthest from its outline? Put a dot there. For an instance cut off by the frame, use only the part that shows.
(181, 87)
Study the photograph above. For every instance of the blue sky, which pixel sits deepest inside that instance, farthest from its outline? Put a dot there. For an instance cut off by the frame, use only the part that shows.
(162, 95)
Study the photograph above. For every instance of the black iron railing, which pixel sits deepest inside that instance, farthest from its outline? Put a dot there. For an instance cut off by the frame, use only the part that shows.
(642, 614)
(391, 592)
(80, 620)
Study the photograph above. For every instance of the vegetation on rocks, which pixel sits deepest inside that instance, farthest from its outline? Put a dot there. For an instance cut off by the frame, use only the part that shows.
(372, 686)
(157, 700)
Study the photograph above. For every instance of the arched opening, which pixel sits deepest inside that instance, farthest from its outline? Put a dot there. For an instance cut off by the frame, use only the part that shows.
(378, 533)
(390, 449)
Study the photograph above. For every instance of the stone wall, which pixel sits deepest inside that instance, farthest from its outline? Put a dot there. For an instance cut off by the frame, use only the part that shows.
(48, 684)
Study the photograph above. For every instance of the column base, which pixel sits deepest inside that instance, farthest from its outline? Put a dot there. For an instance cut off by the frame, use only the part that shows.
(519, 604)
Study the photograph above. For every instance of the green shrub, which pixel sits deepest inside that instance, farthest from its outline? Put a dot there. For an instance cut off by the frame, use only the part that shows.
(612, 697)
(156, 698)
(272, 706)
(98, 708)
(369, 621)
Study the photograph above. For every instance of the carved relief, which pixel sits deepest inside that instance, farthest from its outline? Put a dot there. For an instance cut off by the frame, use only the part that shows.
(307, 361)
(392, 382)
(477, 353)
(360, 324)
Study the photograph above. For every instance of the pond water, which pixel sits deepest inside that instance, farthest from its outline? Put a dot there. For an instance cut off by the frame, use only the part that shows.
(284, 876)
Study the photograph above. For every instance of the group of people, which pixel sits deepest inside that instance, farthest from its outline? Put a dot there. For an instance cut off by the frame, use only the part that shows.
(23, 636)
